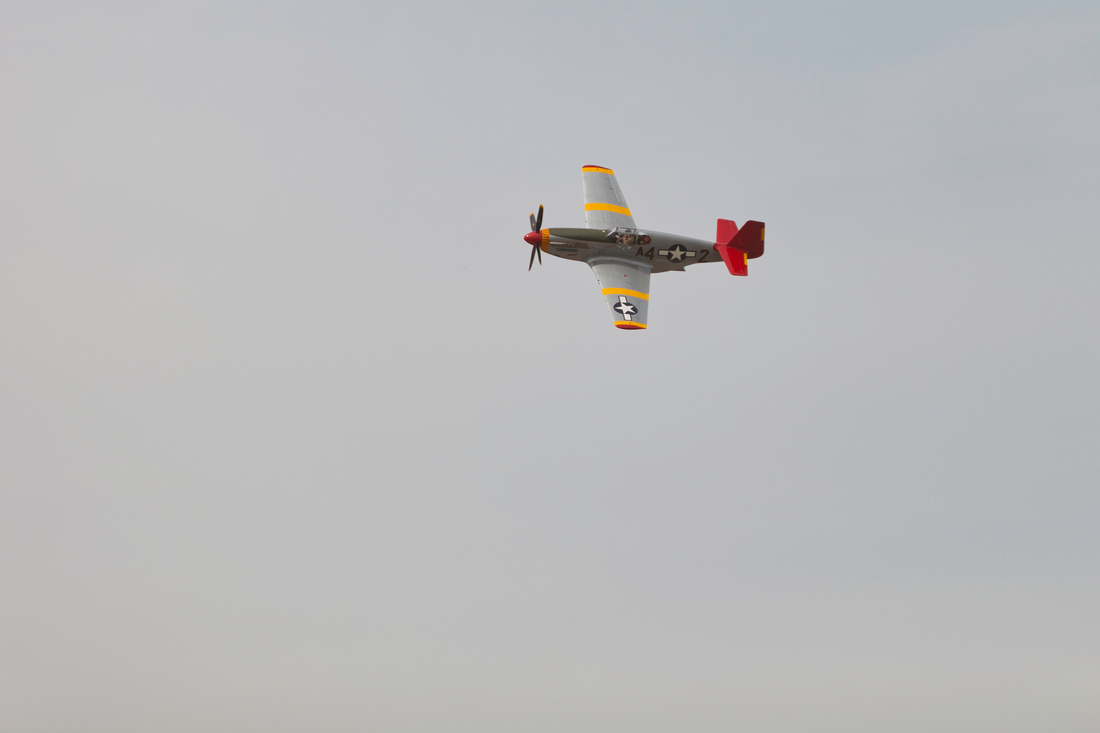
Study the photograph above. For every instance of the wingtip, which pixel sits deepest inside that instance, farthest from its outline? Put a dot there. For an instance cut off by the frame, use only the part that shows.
(597, 169)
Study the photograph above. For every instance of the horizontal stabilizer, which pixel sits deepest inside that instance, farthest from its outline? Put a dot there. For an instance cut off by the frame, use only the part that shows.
(738, 246)
(737, 262)
(749, 239)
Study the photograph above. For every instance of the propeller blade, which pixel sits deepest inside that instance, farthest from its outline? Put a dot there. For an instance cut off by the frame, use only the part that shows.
(533, 227)
(532, 262)
(538, 225)
(538, 251)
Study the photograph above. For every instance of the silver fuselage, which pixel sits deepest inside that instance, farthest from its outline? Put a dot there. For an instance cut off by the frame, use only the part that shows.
(658, 250)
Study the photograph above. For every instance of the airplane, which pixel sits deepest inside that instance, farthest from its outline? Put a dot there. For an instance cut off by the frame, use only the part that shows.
(623, 256)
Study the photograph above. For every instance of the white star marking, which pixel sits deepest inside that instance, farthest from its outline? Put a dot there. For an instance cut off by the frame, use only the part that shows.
(627, 309)
(676, 254)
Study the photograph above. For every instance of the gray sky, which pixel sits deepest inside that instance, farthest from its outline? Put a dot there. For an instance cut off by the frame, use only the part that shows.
(290, 439)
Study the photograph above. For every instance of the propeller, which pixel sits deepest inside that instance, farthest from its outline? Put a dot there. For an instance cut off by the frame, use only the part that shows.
(535, 238)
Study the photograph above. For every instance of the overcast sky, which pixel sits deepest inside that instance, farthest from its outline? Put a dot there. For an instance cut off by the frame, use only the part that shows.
(291, 440)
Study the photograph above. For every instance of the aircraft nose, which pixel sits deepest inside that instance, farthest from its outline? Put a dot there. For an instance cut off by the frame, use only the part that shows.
(533, 238)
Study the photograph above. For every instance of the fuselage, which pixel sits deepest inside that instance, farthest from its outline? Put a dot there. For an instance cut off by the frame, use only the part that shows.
(658, 250)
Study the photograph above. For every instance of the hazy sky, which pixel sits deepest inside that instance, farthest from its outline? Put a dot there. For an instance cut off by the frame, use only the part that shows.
(291, 440)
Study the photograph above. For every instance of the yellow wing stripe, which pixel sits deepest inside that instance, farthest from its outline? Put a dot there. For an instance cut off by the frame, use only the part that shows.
(597, 169)
(626, 291)
(629, 324)
(608, 207)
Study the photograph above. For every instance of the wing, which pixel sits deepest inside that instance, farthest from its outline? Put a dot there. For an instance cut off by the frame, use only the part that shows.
(625, 286)
(604, 205)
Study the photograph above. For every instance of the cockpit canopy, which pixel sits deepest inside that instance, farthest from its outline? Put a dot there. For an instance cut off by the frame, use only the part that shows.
(626, 235)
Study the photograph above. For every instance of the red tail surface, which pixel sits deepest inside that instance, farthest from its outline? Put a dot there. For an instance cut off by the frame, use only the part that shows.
(738, 246)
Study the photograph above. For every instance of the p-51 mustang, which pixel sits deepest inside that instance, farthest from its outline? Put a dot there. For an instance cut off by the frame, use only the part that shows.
(623, 256)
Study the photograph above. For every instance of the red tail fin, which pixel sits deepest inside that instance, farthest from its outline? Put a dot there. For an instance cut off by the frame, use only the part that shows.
(737, 247)
(750, 239)
(727, 230)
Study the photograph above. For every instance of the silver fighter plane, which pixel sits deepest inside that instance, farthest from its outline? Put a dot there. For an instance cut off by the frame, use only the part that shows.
(623, 256)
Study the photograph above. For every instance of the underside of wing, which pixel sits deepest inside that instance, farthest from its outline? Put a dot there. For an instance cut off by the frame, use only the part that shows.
(625, 287)
(604, 205)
